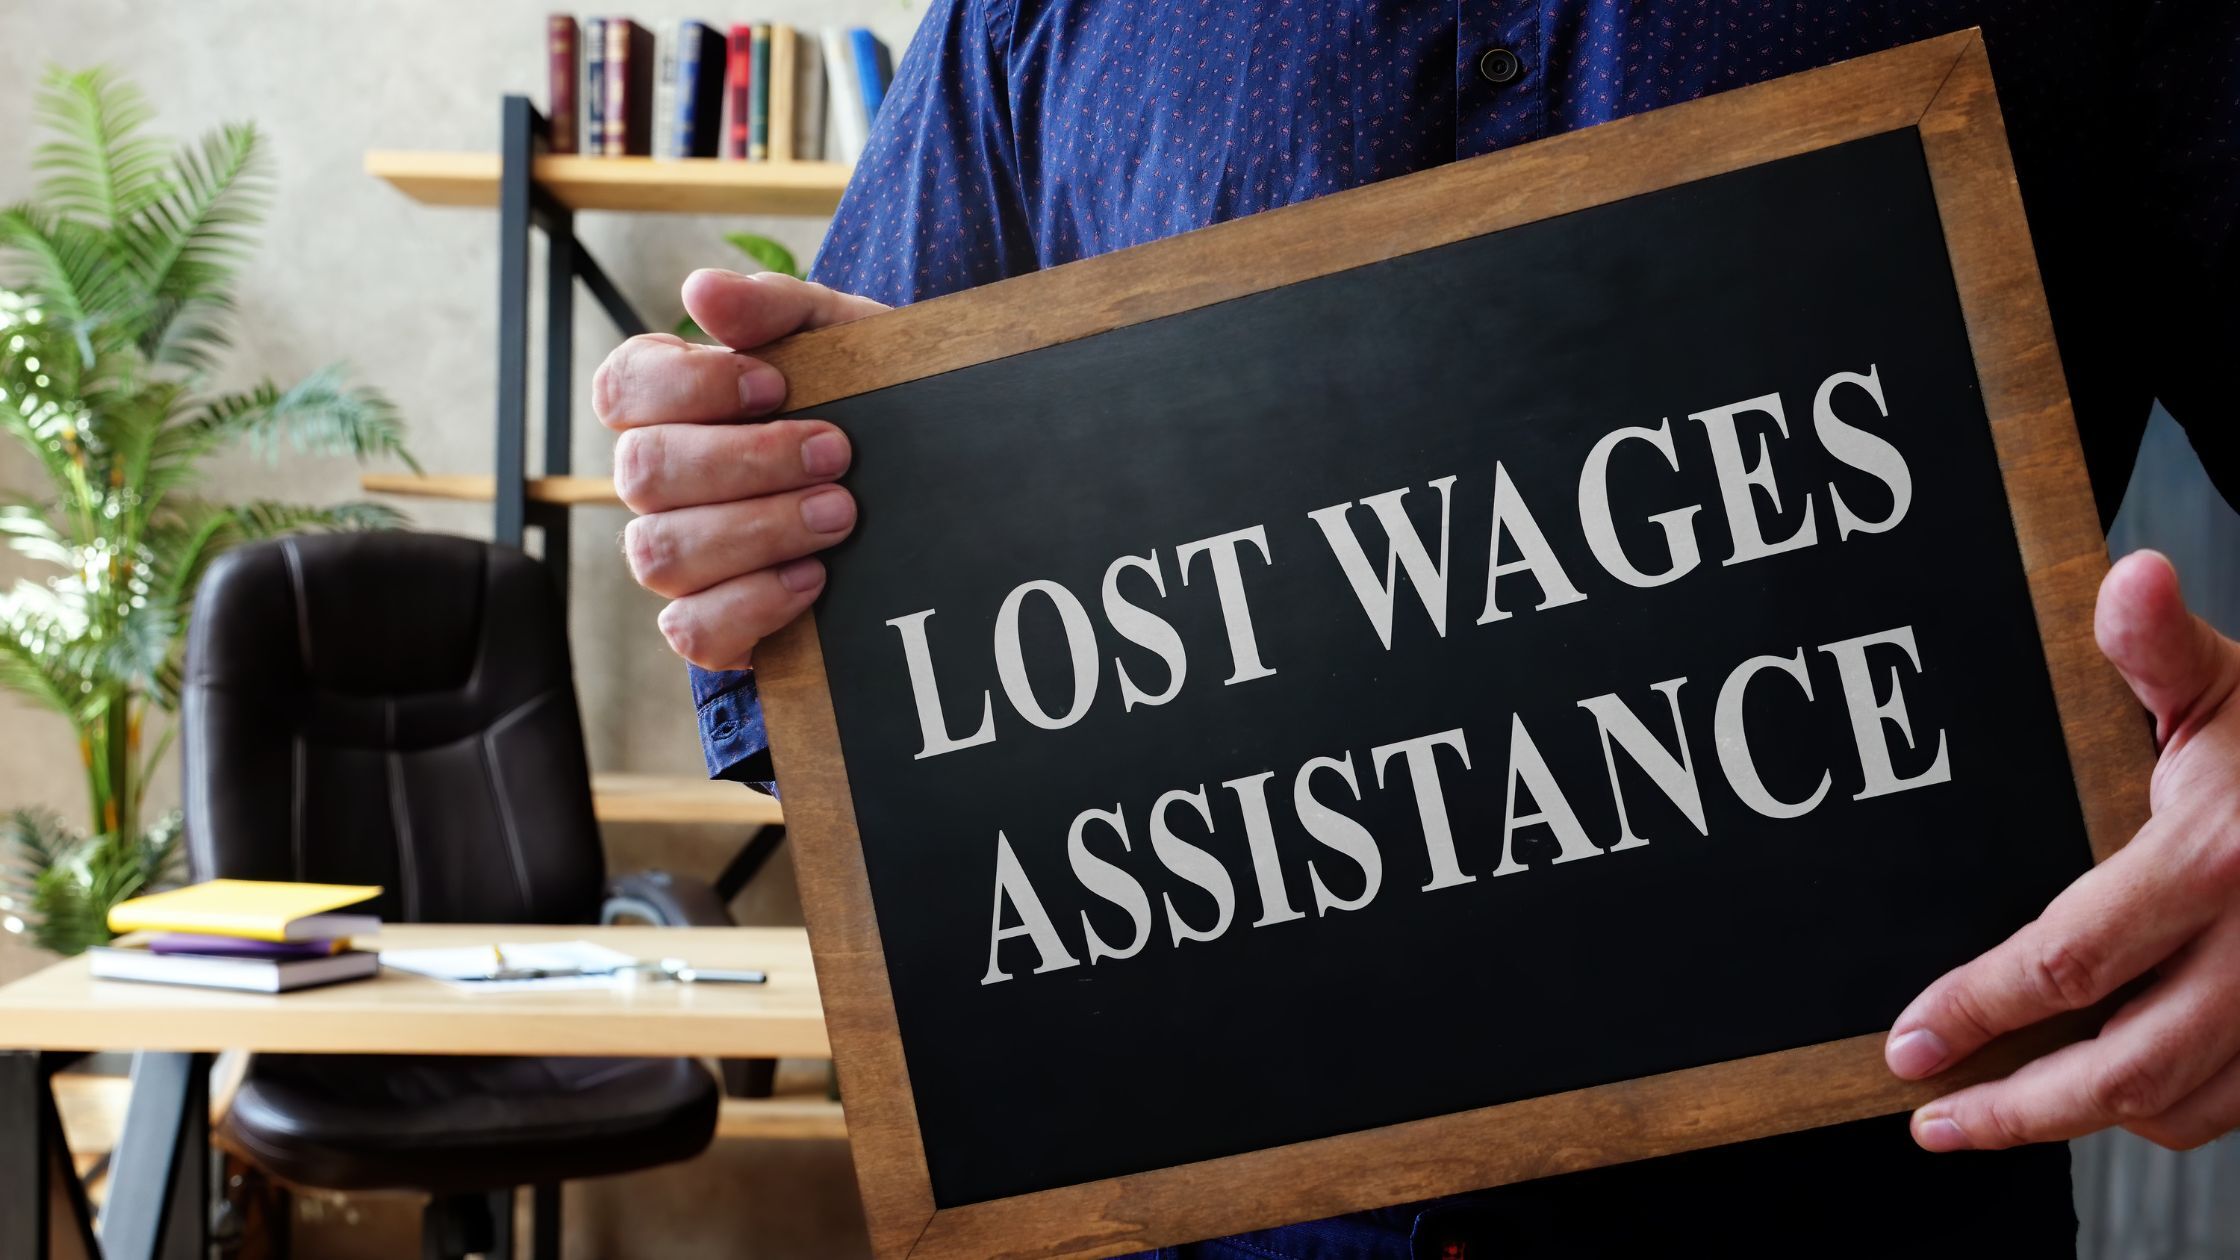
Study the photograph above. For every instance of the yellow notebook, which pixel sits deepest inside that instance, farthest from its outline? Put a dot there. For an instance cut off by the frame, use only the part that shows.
(252, 909)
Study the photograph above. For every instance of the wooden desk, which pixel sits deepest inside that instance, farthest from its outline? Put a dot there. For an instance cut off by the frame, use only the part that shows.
(159, 1165)
(65, 1008)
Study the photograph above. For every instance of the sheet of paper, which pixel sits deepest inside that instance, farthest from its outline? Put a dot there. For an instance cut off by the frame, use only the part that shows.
(467, 966)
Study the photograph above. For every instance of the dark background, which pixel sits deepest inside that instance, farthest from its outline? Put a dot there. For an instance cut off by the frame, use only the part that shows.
(1522, 347)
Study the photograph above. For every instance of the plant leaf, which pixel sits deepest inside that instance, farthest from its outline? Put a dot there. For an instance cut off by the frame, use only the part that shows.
(73, 269)
(185, 246)
(320, 415)
(767, 253)
(100, 168)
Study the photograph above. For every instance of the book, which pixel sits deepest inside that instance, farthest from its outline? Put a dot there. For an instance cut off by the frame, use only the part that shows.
(809, 100)
(871, 72)
(242, 947)
(255, 975)
(560, 84)
(699, 96)
(758, 102)
(254, 909)
(783, 90)
(594, 130)
(628, 106)
(845, 124)
(738, 92)
(667, 43)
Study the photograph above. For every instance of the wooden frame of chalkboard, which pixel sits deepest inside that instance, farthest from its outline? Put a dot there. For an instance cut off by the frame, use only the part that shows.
(1941, 88)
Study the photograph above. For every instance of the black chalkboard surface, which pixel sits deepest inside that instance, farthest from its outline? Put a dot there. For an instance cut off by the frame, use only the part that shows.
(1547, 659)
(1499, 352)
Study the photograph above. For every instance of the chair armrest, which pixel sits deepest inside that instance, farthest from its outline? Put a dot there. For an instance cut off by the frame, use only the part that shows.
(664, 899)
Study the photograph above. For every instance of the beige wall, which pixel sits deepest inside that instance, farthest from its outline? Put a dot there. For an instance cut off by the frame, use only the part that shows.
(352, 270)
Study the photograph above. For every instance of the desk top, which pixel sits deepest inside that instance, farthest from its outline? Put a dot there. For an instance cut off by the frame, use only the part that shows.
(65, 1008)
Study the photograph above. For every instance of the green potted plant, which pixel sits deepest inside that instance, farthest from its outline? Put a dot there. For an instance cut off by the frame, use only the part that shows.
(115, 292)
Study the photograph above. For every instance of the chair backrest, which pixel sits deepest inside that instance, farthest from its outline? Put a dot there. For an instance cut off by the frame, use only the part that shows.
(393, 709)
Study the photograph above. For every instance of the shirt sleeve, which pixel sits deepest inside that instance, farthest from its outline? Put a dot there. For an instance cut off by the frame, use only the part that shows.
(2190, 123)
(933, 208)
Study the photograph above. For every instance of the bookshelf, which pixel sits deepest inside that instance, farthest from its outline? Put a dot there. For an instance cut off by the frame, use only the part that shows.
(654, 798)
(538, 194)
(638, 185)
(568, 491)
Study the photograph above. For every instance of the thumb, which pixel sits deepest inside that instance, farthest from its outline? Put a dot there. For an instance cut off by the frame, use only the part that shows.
(2173, 660)
(744, 312)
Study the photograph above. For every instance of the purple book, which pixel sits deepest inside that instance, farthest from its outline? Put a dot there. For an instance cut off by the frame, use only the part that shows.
(236, 947)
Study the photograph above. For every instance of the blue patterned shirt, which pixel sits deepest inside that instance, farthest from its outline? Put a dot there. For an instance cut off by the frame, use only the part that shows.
(1021, 134)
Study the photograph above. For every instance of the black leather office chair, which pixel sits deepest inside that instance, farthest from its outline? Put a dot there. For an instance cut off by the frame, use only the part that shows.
(398, 709)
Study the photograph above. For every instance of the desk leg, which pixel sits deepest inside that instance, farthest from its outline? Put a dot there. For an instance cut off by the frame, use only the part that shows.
(25, 1162)
(39, 1188)
(159, 1180)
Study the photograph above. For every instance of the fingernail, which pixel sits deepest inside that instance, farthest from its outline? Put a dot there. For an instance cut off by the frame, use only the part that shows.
(828, 511)
(801, 575)
(761, 387)
(825, 455)
(1939, 1133)
(1916, 1054)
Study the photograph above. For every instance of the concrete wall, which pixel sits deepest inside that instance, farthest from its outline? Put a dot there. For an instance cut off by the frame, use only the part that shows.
(351, 270)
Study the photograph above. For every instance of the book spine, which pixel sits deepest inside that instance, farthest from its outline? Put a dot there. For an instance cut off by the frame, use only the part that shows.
(560, 84)
(594, 130)
(707, 99)
(738, 92)
(758, 114)
(844, 101)
(808, 143)
(667, 121)
(784, 92)
(638, 65)
(870, 75)
(618, 79)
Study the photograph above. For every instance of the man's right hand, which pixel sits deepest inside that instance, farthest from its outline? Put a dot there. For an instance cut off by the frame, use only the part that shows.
(730, 515)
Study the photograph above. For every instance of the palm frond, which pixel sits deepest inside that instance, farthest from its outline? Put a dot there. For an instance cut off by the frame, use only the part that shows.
(141, 644)
(100, 167)
(267, 519)
(320, 415)
(41, 661)
(28, 532)
(163, 852)
(34, 839)
(190, 333)
(185, 246)
(83, 286)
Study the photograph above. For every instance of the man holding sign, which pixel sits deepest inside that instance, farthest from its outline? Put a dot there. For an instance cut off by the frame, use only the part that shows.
(1012, 141)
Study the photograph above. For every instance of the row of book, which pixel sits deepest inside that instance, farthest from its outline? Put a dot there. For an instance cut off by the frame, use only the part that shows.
(763, 92)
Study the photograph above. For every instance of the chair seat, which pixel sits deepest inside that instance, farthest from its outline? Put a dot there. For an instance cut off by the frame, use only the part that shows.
(457, 1124)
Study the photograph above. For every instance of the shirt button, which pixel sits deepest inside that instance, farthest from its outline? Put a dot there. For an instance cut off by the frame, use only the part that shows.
(1499, 66)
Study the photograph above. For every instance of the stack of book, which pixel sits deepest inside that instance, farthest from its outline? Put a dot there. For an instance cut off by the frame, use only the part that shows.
(763, 92)
(242, 934)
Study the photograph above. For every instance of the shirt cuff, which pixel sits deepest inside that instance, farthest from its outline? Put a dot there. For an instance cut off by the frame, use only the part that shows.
(731, 732)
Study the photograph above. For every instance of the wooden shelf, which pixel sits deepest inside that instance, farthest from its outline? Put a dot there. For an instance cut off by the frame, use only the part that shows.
(483, 487)
(781, 1118)
(653, 798)
(686, 186)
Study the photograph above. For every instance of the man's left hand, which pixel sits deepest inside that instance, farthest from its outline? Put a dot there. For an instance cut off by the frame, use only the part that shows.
(2167, 1065)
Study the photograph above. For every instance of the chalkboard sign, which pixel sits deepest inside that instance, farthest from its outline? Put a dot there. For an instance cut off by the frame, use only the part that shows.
(1528, 665)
